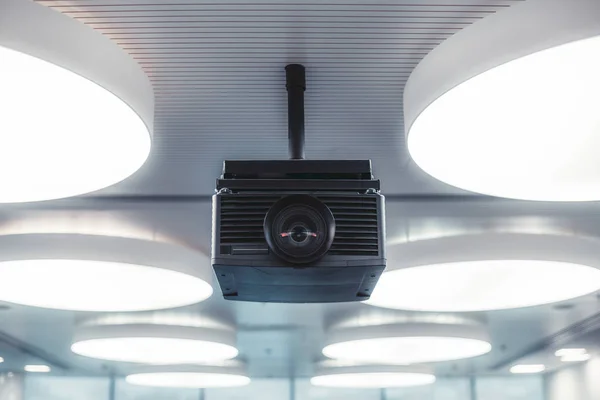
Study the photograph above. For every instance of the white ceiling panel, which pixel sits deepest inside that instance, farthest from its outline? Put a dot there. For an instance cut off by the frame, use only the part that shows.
(217, 70)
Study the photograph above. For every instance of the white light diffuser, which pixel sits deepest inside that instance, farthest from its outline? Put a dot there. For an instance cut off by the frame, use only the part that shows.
(518, 118)
(409, 343)
(100, 286)
(570, 352)
(77, 109)
(155, 344)
(37, 368)
(528, 369)
(97, 273)
(372, 377)
(575, 358)
(484, 285)
(192, 376)
(487, 272)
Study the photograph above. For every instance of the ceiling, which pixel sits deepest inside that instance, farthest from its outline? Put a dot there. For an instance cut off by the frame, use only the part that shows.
(217, 70)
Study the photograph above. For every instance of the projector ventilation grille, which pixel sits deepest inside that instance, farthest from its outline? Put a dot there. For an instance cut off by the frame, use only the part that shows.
(355, 216)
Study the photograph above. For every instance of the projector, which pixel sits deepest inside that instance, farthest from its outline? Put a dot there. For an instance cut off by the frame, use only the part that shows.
(298, 231)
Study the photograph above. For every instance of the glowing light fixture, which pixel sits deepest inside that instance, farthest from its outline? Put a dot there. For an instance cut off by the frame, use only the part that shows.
(528, 369)
(37, 368)
(487, 272)
(372, 376)
(407, 343)
(1, 360)
(517, 119)
(77, 109)
(192, 376)
(155, 344)
(570, 352)
(576, 358)
(99, 273)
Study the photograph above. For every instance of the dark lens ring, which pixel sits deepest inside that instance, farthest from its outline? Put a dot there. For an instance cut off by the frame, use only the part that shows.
(296, 210)
(299, 215)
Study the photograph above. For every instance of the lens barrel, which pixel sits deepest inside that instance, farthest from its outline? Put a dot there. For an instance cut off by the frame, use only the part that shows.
(299, 229)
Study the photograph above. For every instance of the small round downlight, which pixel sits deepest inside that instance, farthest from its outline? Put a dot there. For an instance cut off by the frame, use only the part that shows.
(299, 229)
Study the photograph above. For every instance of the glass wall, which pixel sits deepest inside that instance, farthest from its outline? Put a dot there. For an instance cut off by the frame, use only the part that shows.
(518, 388)
(125, 391)
(40, 387)
(577, 382)
(263, 389)
(306, 391)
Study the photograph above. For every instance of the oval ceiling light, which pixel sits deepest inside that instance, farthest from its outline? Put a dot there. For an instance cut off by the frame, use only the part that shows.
(371, 376)
(155, 344)
(487, 272)
(230, 374)
(507, 107)
(528, 369)
(407, 343)
(100, 273)
(77, 110)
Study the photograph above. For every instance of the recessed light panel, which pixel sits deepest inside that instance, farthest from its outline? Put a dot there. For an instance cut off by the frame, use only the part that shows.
(528, 369)
(192, 376)
(483, 285)
(404, 344)
(517, 119)
(37, 368)
(372, 377)
(486, 272)
(77, 110)
(85, 285)
(576, 358)
(408, 350)
(155, 344)
(570, 352)
(373, 380)
(188, 380)
(96, 273)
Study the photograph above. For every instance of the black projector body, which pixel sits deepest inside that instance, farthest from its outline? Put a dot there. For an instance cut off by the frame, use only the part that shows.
(298, 231)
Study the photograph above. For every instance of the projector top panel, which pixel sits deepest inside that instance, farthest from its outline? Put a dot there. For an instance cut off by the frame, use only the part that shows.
(286, 169)
(298, 174)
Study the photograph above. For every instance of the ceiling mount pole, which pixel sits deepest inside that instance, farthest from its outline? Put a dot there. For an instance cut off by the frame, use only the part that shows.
(295, 85)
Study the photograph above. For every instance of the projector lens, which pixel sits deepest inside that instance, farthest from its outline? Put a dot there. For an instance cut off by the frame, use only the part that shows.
(299, 228)
(299, 234)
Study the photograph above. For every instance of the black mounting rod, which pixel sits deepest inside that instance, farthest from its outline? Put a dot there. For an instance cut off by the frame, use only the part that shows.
(295, 83)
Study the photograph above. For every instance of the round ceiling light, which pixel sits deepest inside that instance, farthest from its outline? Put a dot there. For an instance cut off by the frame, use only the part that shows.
(77, 109)
(230, 374)
(407, 343)
(100, 273)
(518, 118)
(371, 376)
(155, 344)
(487, 272)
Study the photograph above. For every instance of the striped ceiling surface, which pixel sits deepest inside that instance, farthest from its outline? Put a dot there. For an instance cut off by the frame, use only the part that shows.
(217, 70)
